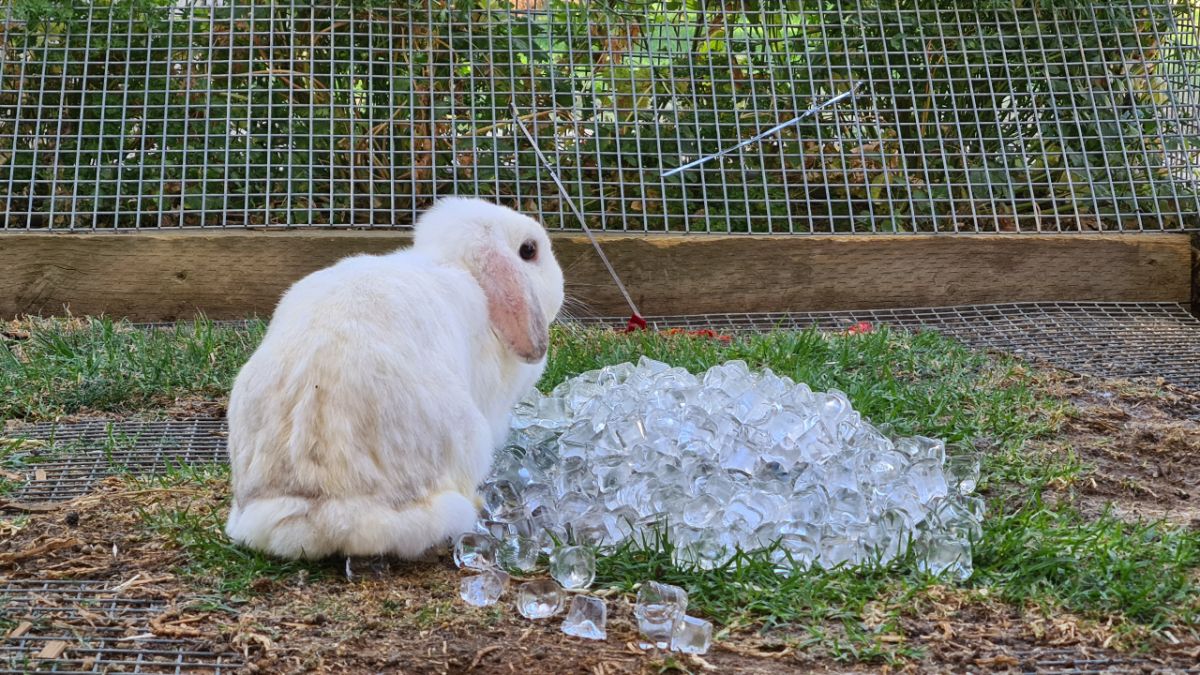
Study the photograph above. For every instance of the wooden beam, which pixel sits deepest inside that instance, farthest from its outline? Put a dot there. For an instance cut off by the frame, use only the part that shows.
(1196, 273)
(228, 274)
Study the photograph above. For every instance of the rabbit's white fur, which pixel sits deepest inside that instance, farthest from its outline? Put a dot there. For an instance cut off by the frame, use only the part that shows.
(368, 416)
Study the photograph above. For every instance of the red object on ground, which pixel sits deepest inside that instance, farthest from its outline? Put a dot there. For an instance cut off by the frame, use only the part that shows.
(704, 333)
(635, 323)
(638, 323)
(860, 327)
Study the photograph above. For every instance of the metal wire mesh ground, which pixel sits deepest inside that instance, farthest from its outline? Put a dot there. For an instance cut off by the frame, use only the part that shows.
(1074, 662)
(1156, 341)
(78, 455)
(1124, 340)
(972, 116)
(114, 636)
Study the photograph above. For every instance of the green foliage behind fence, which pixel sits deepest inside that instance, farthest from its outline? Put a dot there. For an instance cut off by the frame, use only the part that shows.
(973, 116)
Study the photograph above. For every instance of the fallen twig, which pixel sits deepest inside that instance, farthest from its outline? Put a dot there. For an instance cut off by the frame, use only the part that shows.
(46, 547)
(30, 508)
(106, 496)
(482, 653)
(174, 629)
(52, 650)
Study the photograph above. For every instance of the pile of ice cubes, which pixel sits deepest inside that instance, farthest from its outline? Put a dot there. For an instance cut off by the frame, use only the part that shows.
(729, 460)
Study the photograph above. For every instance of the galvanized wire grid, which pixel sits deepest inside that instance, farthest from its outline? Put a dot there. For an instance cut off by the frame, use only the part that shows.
(119, 641)
(124, 645)
(1087, 662)
(77, 456)
(1129, 340)
(1022, 118)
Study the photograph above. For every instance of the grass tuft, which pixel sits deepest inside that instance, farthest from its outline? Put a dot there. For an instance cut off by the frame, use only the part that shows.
(1144, 572)
(198, 528)
(55, 367)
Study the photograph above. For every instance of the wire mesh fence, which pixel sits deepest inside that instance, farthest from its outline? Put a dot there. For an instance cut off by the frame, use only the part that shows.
(971, 117)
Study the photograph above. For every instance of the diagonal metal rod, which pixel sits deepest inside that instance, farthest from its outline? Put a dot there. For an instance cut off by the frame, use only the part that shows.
(778, 127)
(574, 209)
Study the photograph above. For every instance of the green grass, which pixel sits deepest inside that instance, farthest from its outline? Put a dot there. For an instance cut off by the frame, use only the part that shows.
(107, 366)
(222, 567)
(1145, 578)
(1147, 573)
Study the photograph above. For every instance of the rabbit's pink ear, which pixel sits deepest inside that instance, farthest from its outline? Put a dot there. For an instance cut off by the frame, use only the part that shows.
(512, 308)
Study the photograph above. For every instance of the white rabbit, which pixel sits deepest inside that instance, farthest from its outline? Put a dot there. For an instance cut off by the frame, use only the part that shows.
(368, 416)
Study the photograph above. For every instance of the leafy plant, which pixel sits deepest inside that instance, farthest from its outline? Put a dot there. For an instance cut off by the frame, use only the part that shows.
(1013, 115)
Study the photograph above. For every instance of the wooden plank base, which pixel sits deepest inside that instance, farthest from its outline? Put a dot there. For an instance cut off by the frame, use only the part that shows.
(164, 276)
(1196, 273)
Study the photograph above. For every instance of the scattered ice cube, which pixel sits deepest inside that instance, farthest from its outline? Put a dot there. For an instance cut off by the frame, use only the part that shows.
(942, 553)
(520, 553)
(573, 566)
(659, 606)
(586, 618)
(539, 599)
(483, 589)
(691, 635)
(474, 550)
(963, 472)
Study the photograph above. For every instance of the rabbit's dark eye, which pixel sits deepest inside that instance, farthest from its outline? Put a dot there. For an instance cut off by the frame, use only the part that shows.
(528, 251)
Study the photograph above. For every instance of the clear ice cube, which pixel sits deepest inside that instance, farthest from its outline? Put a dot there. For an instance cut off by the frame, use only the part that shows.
(658, 607)
(691, 636)
(963, 472)
(573, 566)
(501, 498)
(483, 589)
(839, 548)
(848, 506)
(700, 511)
(927, 477)
(941, 553)
(476, 551)
(743, 514)
(520, 553)
(539, 599)
(586, 618)
(740, 459)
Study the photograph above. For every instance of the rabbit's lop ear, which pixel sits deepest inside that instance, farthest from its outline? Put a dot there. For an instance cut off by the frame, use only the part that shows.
(513, 308)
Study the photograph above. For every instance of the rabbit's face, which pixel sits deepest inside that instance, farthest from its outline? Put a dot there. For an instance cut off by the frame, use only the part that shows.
(509, 255)
(528, 241)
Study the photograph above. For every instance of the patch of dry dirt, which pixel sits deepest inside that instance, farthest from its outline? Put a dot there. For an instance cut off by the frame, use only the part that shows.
(1142, 445)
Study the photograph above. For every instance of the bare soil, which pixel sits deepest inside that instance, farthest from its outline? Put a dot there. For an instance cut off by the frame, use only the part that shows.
(1142, 446)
